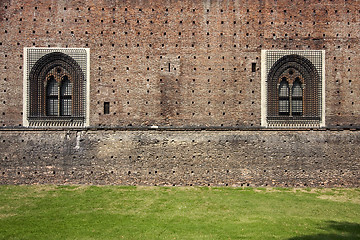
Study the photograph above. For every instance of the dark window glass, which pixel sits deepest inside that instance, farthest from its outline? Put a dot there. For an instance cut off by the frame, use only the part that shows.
(106, 108)
(284, 103)
(253, 67)
(297, 98)
(65, 97)
(52, 101)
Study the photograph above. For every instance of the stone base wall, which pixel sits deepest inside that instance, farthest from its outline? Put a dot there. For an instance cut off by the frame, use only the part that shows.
(181, 158)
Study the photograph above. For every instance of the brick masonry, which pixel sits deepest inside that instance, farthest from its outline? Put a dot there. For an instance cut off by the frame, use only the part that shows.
(210, 46)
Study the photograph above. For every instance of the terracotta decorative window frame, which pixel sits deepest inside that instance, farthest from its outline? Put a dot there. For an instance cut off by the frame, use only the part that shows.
(38, 64)
(310, 64)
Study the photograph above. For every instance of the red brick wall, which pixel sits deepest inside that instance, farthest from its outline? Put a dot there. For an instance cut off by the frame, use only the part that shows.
(132, 43)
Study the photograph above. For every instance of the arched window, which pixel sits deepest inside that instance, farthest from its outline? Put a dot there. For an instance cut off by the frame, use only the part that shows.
(52, 98)
(52, 93)
(293, 89)
(290, 94)
(65, 97)
(57, 89)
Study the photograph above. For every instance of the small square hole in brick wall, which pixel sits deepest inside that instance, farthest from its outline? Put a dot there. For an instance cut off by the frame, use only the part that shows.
(253, 67)
(106, 107)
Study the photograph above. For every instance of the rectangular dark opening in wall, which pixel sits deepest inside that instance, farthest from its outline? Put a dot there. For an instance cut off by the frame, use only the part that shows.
(106, 107)
(169, 67)
(253, 67)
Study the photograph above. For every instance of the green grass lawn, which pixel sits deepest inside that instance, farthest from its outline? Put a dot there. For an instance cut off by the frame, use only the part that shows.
(114, 212)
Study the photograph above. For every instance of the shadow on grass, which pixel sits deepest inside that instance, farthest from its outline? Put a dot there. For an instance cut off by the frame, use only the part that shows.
(337, 230)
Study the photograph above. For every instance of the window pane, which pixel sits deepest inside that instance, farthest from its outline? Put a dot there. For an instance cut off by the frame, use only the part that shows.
(52, 87)
(297, 107)
(52, 101)
(284, 103)
(66, 87)
(284, 89)
(297, 89)
(52, 107)
(297, 97)
(66, 97)
(66, 107)
(284, 107)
